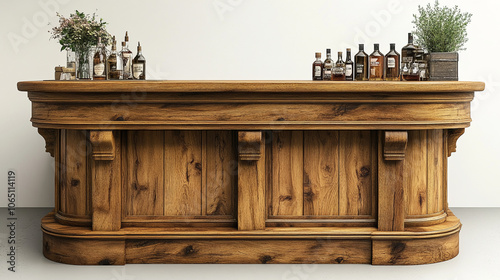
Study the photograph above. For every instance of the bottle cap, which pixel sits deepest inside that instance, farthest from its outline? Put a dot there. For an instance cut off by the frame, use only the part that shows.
(348, 49)
(361, 47)
(376, 46)
(139, 48)
(340, 53)
(123, 44)
(328, 50)
(126, 36)
(393, 45)
(318, 55)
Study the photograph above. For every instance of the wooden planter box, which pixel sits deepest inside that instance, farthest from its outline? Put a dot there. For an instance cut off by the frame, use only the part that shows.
(250, 171)
(443, 66)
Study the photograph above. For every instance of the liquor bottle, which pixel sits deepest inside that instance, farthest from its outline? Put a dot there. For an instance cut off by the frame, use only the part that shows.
(392, 64)
(361, 60)
(139, 65)
(338, 73)
(126, 55)
(114, 63)
(408, 53)
(349, 65)
(376, 65)
(99, 69)
(317, 70)
(411, 73)
(328, 66)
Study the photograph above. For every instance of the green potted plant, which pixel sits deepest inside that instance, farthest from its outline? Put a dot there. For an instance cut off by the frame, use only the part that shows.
(443, 32)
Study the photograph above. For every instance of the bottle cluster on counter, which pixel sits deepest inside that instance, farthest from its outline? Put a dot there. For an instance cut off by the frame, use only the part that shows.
(411, 65)
(118, 65)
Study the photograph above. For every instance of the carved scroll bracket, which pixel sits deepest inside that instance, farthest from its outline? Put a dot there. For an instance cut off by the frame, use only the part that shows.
(103, 145)
(50, 136)
(249, 143)
(395, 145)
(453, 135)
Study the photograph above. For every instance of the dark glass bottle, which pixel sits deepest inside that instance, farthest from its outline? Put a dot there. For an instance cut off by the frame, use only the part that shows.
(392, 64)
(349, 66)
(408, 53)
(328, 66)
(99, 69)
(317, 69)
(361, 60)
(114, 63)
(376, 64)
(139, 65)
(339, 69)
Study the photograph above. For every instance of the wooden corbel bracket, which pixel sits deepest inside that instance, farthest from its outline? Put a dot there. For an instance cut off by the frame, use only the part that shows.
(50, 136)
(103, 145)
(249, 143)
(395, 145)
(453, 135)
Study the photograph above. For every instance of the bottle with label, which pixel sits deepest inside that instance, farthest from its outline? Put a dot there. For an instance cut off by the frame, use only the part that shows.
(376, 65)
(349, 65)
(328, 66)
(99, 69)
(361, 60)
(126, 55)
(338, 73)
(317, 70)
(392, 64)
(411, 73)
(408, 53)
(114, 63)
(139, 65)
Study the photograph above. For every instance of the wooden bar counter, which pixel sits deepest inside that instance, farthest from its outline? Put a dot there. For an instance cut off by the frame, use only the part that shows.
(250, 171)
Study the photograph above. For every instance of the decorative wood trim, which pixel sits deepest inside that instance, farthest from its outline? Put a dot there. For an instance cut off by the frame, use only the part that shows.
(395, 143)
(103, 145)
(249, 145)
(50, 136)
(453, 135)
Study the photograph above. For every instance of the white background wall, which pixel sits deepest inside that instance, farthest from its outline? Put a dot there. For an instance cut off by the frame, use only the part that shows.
(240, 39)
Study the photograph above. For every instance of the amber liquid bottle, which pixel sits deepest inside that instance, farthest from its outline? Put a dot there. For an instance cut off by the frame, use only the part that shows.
(407, 55)
(328, 66)
(317, 69)
(361, 64)
(339, 69)
(376, 65)
(99, 69)
(392, 64)
(114, 63)
(139, 65)
(349, 66)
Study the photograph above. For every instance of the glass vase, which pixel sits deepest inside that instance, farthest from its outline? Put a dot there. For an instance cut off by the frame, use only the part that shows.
(83, 64)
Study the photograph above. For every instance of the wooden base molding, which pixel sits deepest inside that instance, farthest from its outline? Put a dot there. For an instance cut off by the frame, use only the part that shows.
(361, 245)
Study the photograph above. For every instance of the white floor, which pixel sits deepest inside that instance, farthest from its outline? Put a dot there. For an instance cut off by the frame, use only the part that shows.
(479, 259)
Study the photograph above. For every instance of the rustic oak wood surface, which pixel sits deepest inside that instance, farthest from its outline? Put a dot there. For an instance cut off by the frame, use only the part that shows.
(250, 171)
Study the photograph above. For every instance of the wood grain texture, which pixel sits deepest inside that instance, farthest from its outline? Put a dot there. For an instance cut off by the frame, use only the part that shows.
(251, 189)
(183, 173)
(321, 173)
(415, 179)
(395, 145)
(221, 173)
(355, 176)
(144, 173)
(287, 171)
(435, 161)
(106, 186)
(50, 137)
(453, 135)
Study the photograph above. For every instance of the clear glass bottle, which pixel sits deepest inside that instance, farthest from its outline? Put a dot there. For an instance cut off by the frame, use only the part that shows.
(392, 64)
(411, 73)
(338, 73)
(421, 58)
(114, 63)
(126, 55)
(328, 66)
(376, 64)
(139, 65)
(317, 68)
(349, 66)
(361, 60)
(99, 62)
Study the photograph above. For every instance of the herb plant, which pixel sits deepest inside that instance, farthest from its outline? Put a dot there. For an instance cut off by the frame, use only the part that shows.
(441, 29)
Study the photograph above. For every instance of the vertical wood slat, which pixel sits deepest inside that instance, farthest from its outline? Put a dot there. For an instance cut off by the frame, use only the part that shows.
(355, 175)
(106, 182)
(287, 170)
(435, 167)
(144, 163)
(221, 166)
(74, 186)
(321, 173)
(415, 180)
(183, 173)
(251, 188)
(58, 164)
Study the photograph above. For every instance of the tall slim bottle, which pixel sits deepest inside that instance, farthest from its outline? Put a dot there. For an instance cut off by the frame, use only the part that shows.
(114, 63)
(328, 66)
(349, 65)
(339, 69)
(376, 64)
(361, 60)
(99, 69)
(392, 64)
(317, 68)
(139, 65)
(126, 55)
